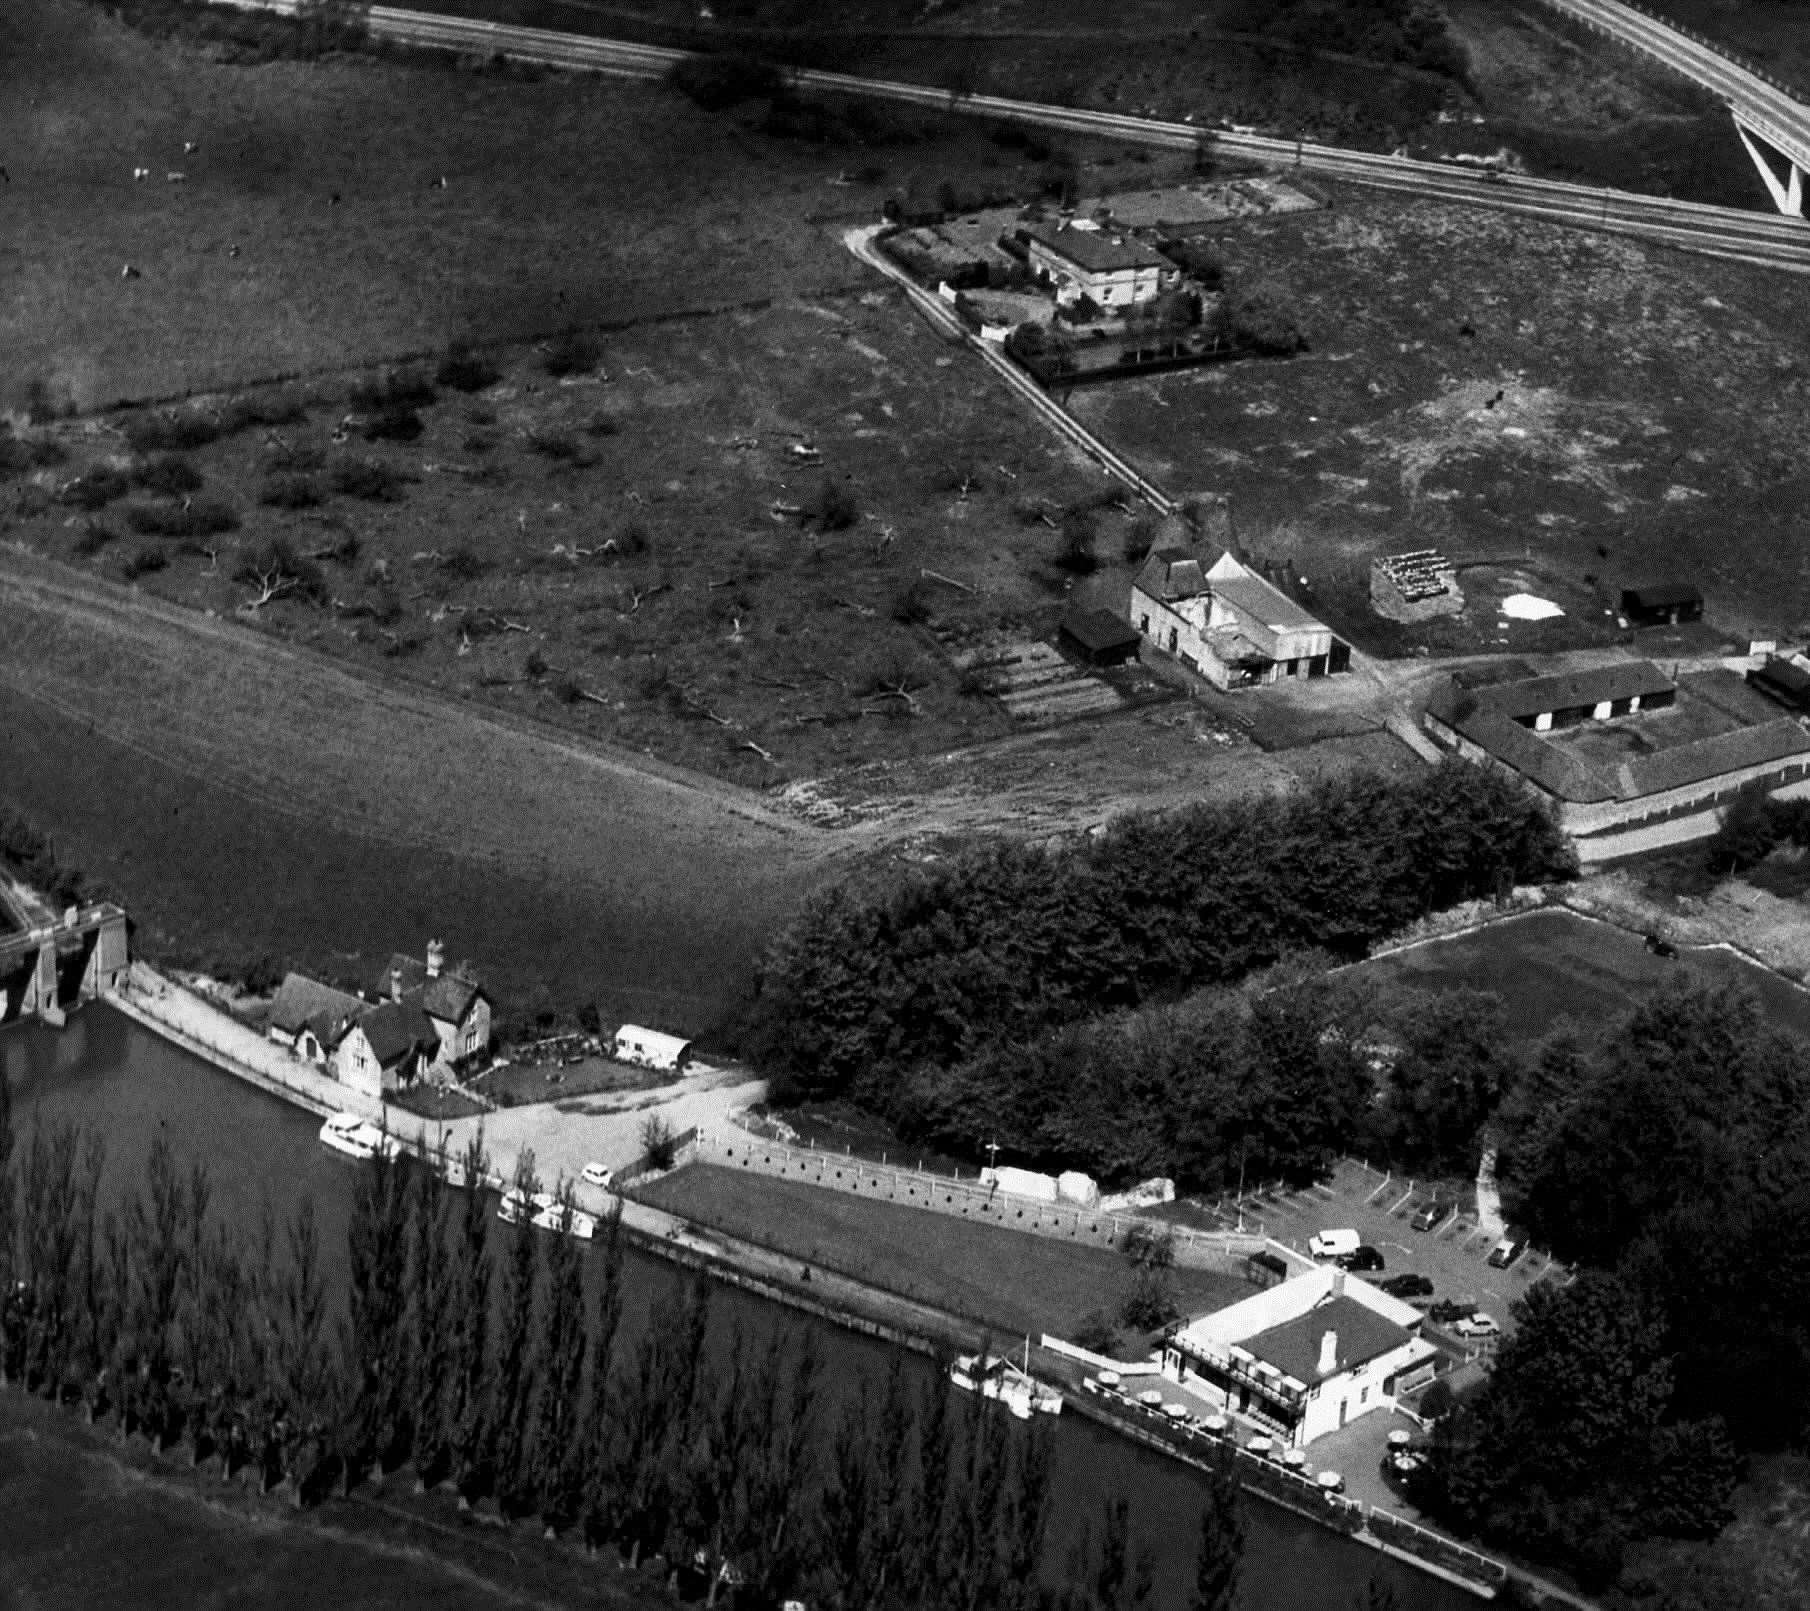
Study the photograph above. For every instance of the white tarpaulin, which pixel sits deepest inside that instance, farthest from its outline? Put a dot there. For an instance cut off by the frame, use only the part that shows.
(1526, 607)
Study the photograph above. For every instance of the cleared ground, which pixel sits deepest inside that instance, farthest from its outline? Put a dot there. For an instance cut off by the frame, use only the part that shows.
(1016, 1283)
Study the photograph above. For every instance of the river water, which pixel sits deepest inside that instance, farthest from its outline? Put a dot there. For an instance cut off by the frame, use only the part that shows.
(123, 1083)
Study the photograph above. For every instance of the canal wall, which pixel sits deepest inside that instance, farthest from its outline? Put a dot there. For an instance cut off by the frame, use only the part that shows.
(964, 1199)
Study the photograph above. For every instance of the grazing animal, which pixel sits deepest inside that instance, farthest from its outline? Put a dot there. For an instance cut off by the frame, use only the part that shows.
(190, 147)
(437, 184)
(232, 251)
(140, 173)
(130, 273)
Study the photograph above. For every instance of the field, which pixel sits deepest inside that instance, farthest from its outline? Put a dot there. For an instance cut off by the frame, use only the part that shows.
(1563, 414)
(1014, 1282)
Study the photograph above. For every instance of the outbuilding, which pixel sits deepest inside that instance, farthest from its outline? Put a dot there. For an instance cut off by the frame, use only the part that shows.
(1662, 604)
(1783, 680)
(649, 1048)
(1099, 638)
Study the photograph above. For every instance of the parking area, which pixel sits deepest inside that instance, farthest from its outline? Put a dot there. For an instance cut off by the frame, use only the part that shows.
(1380, 1209)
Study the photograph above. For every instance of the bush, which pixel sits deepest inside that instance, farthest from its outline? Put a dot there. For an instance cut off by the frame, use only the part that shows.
(144, 562)
(395, 423)
(558, 445)
(167, 473)
(290, 492)
(467, 371)
(1262, 323)
(393, 388)
(574, 353)
(98, 488)
(462, 565)
(32, 855)
(833, 507)
(196, 517)
(912, 607)
(602, 425)
(369, 480)
(659, 1142)
(275, 564)
(1076, 552)
(20, 453)
(171, 433)
(722, 81)
(94, 536)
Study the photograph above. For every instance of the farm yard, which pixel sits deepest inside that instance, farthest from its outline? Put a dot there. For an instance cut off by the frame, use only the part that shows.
(1562, 414)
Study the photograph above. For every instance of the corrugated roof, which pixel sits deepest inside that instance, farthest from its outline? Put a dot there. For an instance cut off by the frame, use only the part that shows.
(1571, 690)
(1265, 602)
(1294, 1346)
(1096, 251)
(301, 1000)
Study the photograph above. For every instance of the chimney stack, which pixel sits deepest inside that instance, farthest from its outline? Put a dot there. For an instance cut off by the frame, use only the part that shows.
(395, 984)
(436, 958)
(1329, 1352)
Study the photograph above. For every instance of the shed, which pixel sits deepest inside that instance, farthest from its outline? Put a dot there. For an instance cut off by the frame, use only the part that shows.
(1783, 680)
(1662, 604)
(649, 1048)
(1099, 638)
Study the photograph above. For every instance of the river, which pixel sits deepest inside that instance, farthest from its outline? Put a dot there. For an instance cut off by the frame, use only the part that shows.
(123, 1083)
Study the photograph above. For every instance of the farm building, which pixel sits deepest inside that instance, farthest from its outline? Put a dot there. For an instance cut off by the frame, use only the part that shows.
(1784, 681)
(649, 1048)
(312, 1018)
(1112, 269)
(453, 1000)
(1626, 758)
(1227, 623)
(1099, 638)
(1662, 604)
(1305, 1356)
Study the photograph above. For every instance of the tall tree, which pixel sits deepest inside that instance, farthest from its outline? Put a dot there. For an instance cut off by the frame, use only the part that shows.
(433, 1314)
(10, 1317)
(513, 1399)
(1220, 1560)
(301, 1368)
(556, 1451)
(599, 1490)
(375, 1336)
(468, 1420)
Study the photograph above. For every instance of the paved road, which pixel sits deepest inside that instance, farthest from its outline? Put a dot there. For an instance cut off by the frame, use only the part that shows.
(1718, 231)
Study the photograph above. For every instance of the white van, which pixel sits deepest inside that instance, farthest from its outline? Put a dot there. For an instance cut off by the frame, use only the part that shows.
(1334, 1244)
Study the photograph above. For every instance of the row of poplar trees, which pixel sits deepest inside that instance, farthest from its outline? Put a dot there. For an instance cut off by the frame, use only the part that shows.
(488, 1370)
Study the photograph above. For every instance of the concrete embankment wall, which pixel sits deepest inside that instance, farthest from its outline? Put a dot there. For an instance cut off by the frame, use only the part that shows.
(965, 1199)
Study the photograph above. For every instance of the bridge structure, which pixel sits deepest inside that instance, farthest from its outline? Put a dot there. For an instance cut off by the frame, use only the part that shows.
(50, 960)
(1771, 118)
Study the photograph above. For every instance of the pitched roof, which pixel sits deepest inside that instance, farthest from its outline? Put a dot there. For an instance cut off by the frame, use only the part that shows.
(1569, 690)
(1783, 677)
(1546, 765)
(1660, 596)
(1294, 1346)
(1265, 602)
(397, 1029)
(1710, 757)
(448, 995)
(1170, 574)
(303, 1003)
(1099, 630)
(1096, 251)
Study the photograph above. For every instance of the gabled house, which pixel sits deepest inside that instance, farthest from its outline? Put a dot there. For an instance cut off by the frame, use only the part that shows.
(312, 1018)
(453, 1000)
(1227, 623)
(390, 1046)
(1115, 270)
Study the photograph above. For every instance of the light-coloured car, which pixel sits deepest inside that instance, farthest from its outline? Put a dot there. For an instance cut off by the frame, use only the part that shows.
(1334, 1244)
(1477, 1325)
(594, 1174)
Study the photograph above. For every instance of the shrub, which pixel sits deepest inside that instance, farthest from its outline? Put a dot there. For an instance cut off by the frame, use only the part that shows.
(575, 352)
(462, 565)
(367, 479)
(659, 1142)
(276, 566)
(1262, 323)
(291, 492)
(299, 458)
(1437, 1400)
(721, 81)
(196, 517)
(19, 453)
(98, 488)
(93, 537)
(167, 473)
(560, 445)
(395, 423)
(911, 608)
(143, 563)
(602, 425)
(393, 388)
(171, 433)
(1139, 536)
(467, 371)
(1076, 554)
(833, 507)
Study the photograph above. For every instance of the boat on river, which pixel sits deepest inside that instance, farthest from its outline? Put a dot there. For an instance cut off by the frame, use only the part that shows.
(997, 1377)
(356, 1137)
(552, 1218)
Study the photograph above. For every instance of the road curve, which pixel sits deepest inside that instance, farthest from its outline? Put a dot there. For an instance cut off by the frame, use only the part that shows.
(1759, 238)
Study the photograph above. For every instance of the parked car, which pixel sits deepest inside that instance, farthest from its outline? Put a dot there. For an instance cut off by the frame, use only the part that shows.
(1360, 1258)
(1333, 1244)
(1446, 1311)
(1433, 1214)
(1477, 1325)
(1408, 1286)
(1505, 1252)
(594, 1174)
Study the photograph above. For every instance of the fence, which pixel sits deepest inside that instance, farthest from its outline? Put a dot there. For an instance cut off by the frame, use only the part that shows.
(969, 1199)
(1435, 1548)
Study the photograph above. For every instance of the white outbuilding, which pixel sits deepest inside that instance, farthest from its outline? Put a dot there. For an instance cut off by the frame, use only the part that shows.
(1074, 1187)
(650, 1048)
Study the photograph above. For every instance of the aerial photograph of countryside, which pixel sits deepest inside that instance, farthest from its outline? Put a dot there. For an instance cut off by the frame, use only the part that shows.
(904, 805)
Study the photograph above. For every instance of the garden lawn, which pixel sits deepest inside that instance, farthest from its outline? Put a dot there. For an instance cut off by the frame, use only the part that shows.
(1011, 1281)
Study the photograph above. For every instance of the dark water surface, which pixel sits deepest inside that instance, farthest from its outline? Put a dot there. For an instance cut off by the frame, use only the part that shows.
(106, 1073)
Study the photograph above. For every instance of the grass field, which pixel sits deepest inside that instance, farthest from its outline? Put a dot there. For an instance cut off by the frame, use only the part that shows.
(1563, 414)
(1004, 1279)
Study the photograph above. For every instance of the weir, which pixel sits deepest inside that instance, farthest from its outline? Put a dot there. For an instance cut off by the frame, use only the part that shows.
(52, 960)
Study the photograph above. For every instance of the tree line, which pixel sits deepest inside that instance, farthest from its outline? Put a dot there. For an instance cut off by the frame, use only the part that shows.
(1668, 1154)
(1006, 942)
(487, 1370)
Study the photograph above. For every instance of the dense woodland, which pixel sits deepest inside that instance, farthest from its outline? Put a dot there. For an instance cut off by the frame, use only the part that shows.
(748, 1476)
(991, 974)
(1668, 1153)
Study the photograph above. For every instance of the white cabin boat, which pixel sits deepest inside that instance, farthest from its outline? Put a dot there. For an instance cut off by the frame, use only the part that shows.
(1004, 1379)
(354, 1137)
(583, 1225)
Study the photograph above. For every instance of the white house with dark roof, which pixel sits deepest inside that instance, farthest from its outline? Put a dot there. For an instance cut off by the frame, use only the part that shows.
(312, 1018)
(1229, 624)
(453, 1000)
(1114, 269)
(1304, 1357)
(390, 1046)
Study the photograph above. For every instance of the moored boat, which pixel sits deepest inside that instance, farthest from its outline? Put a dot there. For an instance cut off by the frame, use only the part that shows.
(355, 1137)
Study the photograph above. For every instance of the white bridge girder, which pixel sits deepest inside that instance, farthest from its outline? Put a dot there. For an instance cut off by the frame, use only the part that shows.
(1775, 148)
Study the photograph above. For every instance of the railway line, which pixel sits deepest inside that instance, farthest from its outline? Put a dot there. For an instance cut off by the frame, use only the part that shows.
(1759, 238)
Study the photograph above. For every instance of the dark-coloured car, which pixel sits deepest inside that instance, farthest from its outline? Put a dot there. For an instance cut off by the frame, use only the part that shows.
(1431, 1216)
(1408, 1286)
(1445, 1312)
(1364, 1258)
(1505, 1252)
